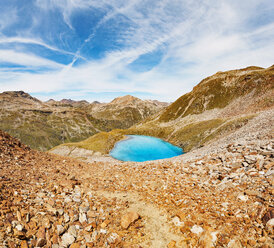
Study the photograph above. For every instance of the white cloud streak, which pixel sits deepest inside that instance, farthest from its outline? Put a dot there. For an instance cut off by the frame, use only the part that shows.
(18, 58)
(7, 40)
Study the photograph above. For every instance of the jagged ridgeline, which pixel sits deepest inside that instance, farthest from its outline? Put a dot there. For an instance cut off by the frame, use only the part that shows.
(217, 106)
(43, 125)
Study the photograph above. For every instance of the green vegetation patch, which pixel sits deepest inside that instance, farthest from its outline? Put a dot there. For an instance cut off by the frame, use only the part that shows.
(228, 126)
(193, 134)
(101, 142)
(199, 133)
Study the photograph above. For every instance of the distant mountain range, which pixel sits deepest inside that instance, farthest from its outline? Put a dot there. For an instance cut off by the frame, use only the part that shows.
(43, 125)
(216, 107)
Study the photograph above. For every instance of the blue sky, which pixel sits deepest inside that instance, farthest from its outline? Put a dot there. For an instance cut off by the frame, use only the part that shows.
(152, 49)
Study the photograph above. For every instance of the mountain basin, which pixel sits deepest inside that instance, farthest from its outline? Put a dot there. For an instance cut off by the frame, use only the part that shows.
(140, 148)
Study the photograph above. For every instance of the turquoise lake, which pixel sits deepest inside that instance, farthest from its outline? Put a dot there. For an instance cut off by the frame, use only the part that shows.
(140, 148)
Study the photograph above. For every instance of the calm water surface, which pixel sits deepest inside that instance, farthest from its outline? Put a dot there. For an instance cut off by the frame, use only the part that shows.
(139, 148)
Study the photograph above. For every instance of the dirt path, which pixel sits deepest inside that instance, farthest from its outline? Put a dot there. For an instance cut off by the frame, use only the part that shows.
(156, 223)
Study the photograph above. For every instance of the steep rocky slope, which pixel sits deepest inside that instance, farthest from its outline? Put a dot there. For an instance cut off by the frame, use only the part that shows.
(45, 125)
(216, 107)
(220, 195)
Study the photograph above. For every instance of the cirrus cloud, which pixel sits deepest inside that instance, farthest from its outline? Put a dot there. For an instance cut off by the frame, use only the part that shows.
(153, 49)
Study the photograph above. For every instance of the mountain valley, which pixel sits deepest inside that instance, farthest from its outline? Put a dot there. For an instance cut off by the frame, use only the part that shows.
(218, 106)
(218, 194)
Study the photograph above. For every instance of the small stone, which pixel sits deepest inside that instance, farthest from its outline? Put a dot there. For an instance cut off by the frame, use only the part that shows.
(72, 230)
(208, 239)
(27, 218)
(60, 211)
(41, 237)
(66, 218)
(46, 223)
(243, 197)
(19, 218)
(270, 222)
(67, 239)
(9, 229)
(269, 165)
(113, 238)
(41, 242)
(84, 207)
(268, 215)
(103, 231)
(176, 221)
(60, 229)
(19, 228)
(103, 225)
(197, 229)
(87, 238)
(91, 214)
(19, 234)
(245, 164)
(75, 218)
(128, 219)
(51, 209)
(88, 228)
(270, 172)
(270, 226)
(82, 218)
(251, 159)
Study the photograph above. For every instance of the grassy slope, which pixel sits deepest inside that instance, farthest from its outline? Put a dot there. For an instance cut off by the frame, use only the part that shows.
(101, 142)
(220, 90)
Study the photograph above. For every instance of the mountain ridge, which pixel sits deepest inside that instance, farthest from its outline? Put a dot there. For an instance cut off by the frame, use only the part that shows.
(43, 125)
(219, 105)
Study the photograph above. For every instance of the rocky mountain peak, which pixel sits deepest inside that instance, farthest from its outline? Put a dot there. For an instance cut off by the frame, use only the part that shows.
(19, 94)
(67, 101)
(128, 99)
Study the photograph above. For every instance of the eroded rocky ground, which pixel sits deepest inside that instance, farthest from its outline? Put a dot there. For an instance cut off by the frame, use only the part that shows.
(222, 199)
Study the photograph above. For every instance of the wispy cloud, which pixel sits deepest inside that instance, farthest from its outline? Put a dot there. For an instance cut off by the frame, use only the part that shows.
(24, 59)
(6, 40)
(192, 39)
